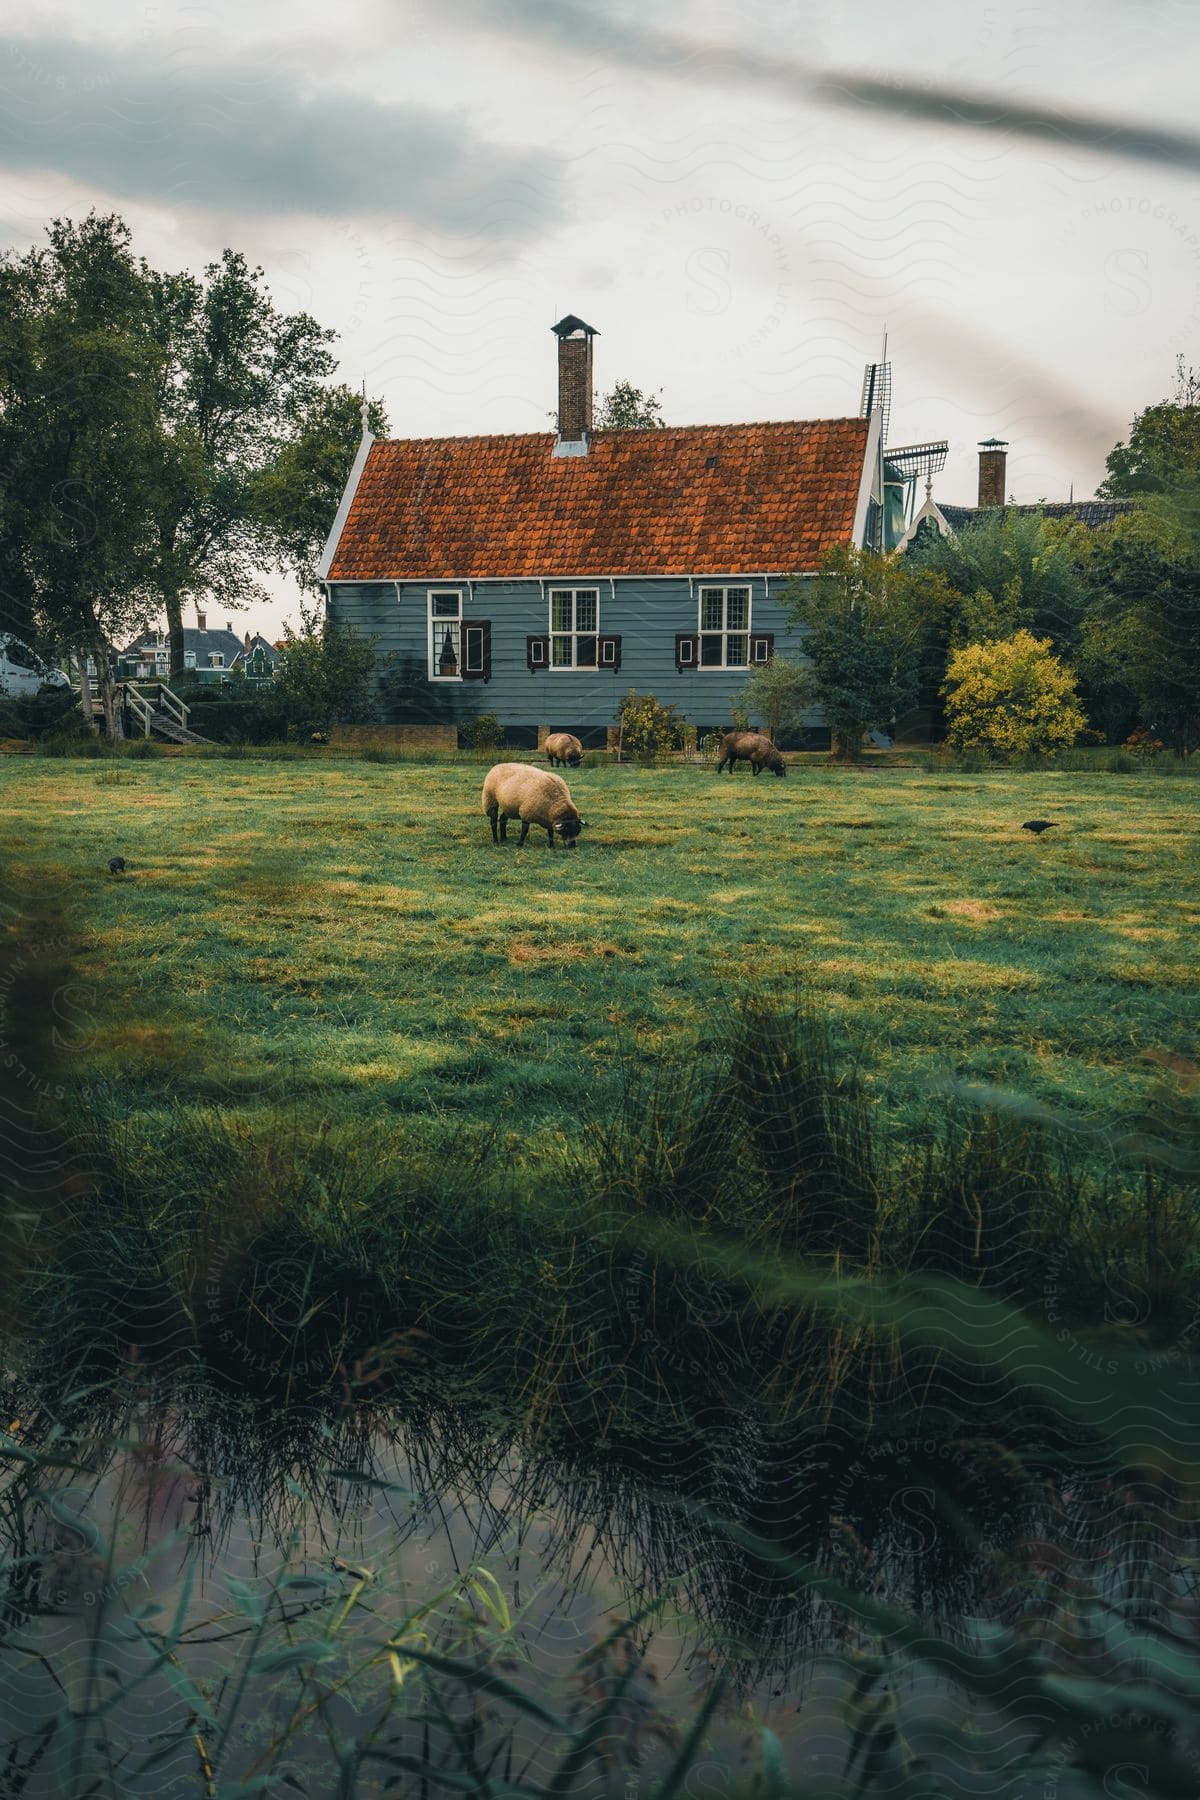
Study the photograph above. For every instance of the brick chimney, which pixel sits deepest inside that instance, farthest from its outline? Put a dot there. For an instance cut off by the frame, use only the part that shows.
(993, 466)
(200, 624)
(574, 384)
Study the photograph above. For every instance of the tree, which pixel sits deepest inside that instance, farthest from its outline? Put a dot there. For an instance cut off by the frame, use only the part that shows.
(1164, 444)
(1009, 572)
(626, 408)
(295, 498)
(1011, 697)
(79, 445)
(865, 619)
(241, 385)
(778, 693)
(214, 449)
(326, 675)
(1143, 628)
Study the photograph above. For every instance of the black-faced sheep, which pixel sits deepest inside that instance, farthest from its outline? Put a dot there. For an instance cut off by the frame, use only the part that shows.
(758, 751)
(519, 791)
(561, 747)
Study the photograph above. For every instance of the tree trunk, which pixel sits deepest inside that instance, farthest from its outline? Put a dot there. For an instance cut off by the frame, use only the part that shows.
(85, 691)
(113, 725)
(174, 609)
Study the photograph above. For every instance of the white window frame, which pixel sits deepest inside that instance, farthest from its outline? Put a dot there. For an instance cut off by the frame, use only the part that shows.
(189, 659)
(443, 593)
(216, 659)
(574, 667)
(724, 632)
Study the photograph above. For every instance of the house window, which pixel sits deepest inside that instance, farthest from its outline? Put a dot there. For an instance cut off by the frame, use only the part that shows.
(724, 627)
(217, 658)
(445, 634)
(189, 659)
(574, 625)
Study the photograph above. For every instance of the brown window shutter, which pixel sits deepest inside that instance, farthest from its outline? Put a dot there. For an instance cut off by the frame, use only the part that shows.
(610, 652)
(476, 649)
(537, 652)
(762, 646)
(685, 650)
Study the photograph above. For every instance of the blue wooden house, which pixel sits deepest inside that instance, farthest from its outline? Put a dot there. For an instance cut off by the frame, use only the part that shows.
(542, 575)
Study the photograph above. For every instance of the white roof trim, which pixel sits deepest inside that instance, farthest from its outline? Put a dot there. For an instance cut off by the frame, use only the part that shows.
(869, 477)
(343, 511)
(929, 510)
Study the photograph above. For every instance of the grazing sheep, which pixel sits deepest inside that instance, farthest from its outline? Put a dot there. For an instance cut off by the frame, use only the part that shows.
(519, 791)
(758, 751)
(561, 747)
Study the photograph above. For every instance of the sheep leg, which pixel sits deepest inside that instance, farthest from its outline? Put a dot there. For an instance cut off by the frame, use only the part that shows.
(524, 833)
(550, 835)
(504, 828)
(492, 810)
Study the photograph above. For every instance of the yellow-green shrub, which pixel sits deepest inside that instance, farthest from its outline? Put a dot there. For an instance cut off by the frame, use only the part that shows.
(1011, 698)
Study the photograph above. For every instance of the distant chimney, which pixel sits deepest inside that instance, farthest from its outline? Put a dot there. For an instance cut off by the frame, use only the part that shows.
(229, 626)
(200, 624)
(574, 381)
(993, 465)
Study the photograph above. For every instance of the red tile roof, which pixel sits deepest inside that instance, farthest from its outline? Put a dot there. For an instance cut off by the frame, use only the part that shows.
(684, 500)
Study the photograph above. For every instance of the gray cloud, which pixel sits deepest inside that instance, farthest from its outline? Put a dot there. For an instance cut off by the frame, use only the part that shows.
(247, 136)
(594, 32)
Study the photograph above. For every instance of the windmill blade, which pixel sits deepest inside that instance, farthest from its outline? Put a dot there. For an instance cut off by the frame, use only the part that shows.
(877, 395)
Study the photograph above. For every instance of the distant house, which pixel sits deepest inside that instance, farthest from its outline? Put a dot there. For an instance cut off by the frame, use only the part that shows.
(945, 519)
(212, 654)
(539, 576)
(258, 658)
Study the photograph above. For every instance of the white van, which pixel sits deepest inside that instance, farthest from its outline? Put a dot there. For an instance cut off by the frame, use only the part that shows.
(21, 672)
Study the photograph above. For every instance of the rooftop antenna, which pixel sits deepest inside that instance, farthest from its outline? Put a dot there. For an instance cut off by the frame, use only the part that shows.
(363, 409)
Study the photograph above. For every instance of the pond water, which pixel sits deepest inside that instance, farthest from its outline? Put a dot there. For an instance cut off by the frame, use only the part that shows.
(213, 1600)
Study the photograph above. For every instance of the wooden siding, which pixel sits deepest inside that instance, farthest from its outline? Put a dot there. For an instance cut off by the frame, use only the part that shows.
(647, 615)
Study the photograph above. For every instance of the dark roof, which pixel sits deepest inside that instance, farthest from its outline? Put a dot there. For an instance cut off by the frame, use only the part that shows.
(1088, 512)
(571, 323)
(676, 500)
(259, 642)
(226, 641)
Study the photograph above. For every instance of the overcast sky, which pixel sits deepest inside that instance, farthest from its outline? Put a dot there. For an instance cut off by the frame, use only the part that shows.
(740, 199)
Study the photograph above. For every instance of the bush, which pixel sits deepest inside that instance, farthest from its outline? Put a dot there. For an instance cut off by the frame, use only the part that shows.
(647, 727)
(779, 693)
(49, 712)
(1011, 698)
(484, 733)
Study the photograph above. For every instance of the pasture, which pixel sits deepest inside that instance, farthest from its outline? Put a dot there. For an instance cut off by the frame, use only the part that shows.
(333, 938)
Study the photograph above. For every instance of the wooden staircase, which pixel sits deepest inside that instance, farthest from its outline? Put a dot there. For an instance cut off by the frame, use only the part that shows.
(165, 715)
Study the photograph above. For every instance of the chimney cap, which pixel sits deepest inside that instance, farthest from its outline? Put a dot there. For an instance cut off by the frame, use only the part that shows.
(567, 326)
(993, 444)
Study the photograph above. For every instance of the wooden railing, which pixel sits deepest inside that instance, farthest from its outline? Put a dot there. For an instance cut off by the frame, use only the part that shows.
(144, 711)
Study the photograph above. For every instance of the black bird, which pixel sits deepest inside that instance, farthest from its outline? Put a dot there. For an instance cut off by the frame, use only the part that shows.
(1037, 826)
(116, 865)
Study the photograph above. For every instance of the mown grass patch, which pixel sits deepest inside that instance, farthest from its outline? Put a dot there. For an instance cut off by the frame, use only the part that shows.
(286, 924)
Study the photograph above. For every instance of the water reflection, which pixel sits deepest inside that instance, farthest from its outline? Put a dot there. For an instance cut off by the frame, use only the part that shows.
(206, 1578)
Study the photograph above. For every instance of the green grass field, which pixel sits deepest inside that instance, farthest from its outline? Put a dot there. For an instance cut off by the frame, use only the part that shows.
(341, 937)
